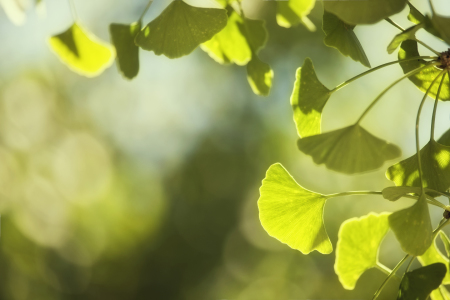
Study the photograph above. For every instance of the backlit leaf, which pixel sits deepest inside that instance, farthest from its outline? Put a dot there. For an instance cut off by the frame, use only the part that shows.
(340, 35)
(445, 138)
(259, 75)
(308, 100)
(293, 12)
(408, 34)
(440, 293)
(412, 227)
(442, 26)
(424, 78)
(291, 213)
(393, 193)
(180, 29)
(357, 247)
(434, 255)
(415, 15)
(364, 12)
(446, 241)
(418, 284)
(348, 150)
(122, 36)
(435, 165)
(81, 51)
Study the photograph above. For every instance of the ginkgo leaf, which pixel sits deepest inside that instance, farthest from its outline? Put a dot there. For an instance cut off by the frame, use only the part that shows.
(434, 255)
(180, 28)
(122, 36)
(435, 165)
(446, 241)
(259, 75)
(445, 138)
(408, 34)
(442, 26)
(291, 213)
(412, 227)
(393, 193)
(415, 15)
(424, 78)
(364, 12)
(357, 248)
(293, 12)
(418, 284)
(440, 293)
(308, 100)
(340, 35)
(81, 51)
(348, 150)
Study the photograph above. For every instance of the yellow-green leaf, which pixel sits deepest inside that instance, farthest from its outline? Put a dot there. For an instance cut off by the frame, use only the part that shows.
(122, 36)
(408, 34)
(412, 227)
(180, 29)
(442, 26)
(357, 248)
(259, 75)
(293, 12)
(348, 150)
(393, 193)
(81, 51)
(434, 255)
(291, 213)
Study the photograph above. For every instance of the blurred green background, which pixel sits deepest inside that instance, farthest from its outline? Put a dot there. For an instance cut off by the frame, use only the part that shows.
(148, 189)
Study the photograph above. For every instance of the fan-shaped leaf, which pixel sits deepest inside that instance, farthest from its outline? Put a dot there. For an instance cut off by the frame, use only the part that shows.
(357, 247)
(424, 78)
(364, 12)
(412, 227)
(340, 35)
(291, 213)
(348, 150)
(81, 51)
(180, 29)
(442, 26)
(259, 75)
(293, 12)
(393, 193)
(122, 36)
(418, 284)
(435, 165)
(445, 138)
(415, 15)
(308, 100)
(408, 34)
(434, 255)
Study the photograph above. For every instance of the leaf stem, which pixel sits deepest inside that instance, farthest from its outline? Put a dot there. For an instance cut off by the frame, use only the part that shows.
(439, 228)
(377, 293)
(340, 86)
(409, 74)
(354, 193)
(145, 10)
(419, 160)
(409, 264)
(433, 120)
(383, 268)
(415, 39)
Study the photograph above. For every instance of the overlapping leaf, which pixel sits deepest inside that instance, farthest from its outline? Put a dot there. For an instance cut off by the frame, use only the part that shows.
(291, 213)
(293, 12)
(393, 193)
(81, 51)
(357, 247)
(445, 138)
(435, 159)
(364, 12)
(442, 26)
(122, 36)
(180, 29)
(417, 17)
(342, 37)
(434, 255)
(412, 227)
(308, 100)
(418, 284)
(348, 150)
(408, 34)
(259, 75)
(424, 78)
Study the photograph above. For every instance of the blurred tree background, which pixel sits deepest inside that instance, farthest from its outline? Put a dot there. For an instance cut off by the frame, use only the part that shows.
(147, 189)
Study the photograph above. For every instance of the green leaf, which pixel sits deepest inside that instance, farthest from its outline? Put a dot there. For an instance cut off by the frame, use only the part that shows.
(293, 12)
(412, 227)
(415, 15)
(440, 293)
(357, 247)
(348, 150)
(180, 29)
(446, 242)
(442, 26)
(291, 213)
(256, 33)
(408, 34)
(341, 36)
(445, 138)
(259, 75)
(435, 165)
(230, 45)
(418, 284)
(122, 36)
(434, 255)
(308, 100)
(424, 78)
(393, 193)
(364, 12)
(81, 51)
